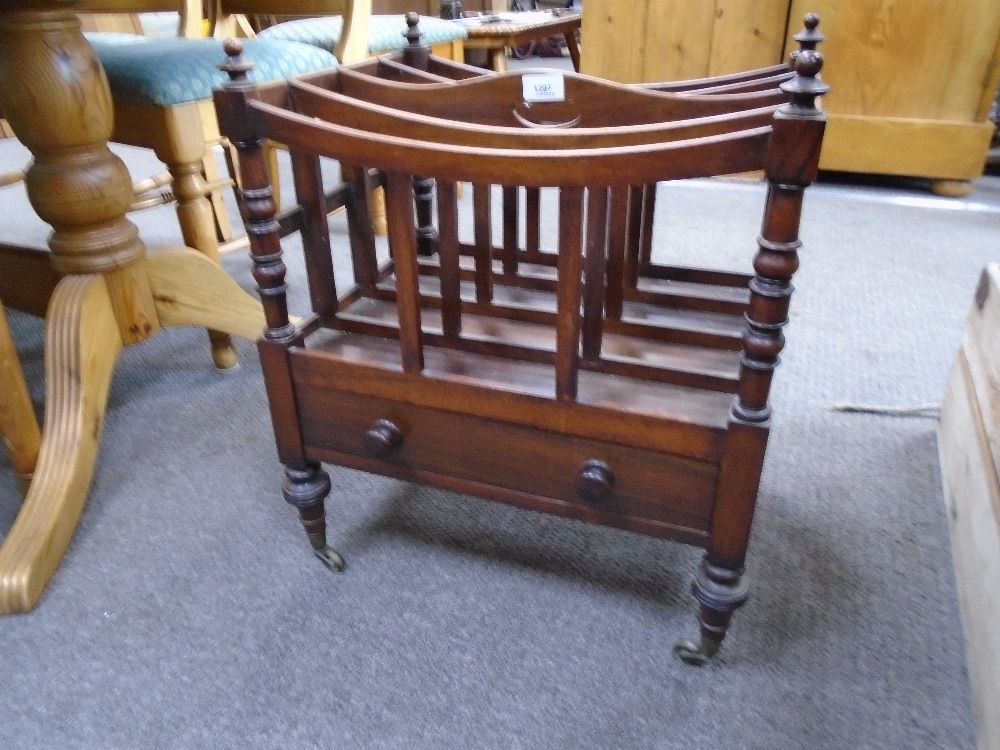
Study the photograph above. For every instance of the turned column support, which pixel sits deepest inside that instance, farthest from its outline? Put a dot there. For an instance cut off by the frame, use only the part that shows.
(791, 164)
(75, 183)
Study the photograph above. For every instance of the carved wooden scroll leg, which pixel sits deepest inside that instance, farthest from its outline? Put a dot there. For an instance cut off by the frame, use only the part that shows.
(18, 424)
(189, 289)
(82, 343)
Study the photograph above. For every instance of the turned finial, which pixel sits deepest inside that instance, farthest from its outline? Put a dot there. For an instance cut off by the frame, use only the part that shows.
(805, 87)
(807, 63)
(415, 54)
(413, 32)
(809, 37)
(235, 66)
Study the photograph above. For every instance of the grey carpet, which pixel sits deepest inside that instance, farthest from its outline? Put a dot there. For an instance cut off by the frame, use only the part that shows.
(189, 613)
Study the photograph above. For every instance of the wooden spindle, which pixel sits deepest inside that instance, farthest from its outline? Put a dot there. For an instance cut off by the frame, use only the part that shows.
(359, 223)
(648, 212)
(777, 256)
(309, 194)
(617, 245)
(511, 231)
(423, 200)
(596, 260)
(633, 236)
(416, 54)
(483, 238)
(568, 298)
(532, 224)
(257, 203)
(399, 203)
(448, 254)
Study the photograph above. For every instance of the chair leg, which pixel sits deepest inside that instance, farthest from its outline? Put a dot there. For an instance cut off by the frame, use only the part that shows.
(223, 227)
(184, 156)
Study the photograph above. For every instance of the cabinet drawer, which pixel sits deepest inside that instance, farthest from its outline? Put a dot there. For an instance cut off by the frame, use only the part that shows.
(646, 484)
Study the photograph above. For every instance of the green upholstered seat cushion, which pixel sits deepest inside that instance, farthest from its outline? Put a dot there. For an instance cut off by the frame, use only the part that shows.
(385, 33)
(165, 72)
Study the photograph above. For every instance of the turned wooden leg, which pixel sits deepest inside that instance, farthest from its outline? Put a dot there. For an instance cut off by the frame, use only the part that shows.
(720, 592)
(56, 98)
(306, 489)
(220, 212)
(423, 200)
(498, 59)
(18, 424)
(81, 348)
(184, 154)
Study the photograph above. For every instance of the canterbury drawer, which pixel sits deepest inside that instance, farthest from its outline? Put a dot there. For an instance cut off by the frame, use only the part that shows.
(394, 438)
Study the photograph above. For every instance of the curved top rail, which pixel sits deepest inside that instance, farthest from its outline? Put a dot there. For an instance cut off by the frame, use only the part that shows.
(315, 101)
(713, 81)
(580, 167)
(488, 99)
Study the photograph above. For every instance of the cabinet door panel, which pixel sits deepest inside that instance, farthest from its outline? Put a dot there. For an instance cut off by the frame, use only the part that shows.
(926, 59)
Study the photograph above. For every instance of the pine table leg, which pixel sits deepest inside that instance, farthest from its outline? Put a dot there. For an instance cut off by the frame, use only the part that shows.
(18, 424)
(81, 349)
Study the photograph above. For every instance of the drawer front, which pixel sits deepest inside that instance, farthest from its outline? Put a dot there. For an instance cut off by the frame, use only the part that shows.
(645, 485)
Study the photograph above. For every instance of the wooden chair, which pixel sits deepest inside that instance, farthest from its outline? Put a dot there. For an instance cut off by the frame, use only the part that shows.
(317, 23)
(650, 414)
(347, 41)
(161, 90)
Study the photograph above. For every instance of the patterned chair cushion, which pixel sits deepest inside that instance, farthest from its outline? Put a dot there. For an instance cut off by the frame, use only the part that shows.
(165, 72)
(385, 33)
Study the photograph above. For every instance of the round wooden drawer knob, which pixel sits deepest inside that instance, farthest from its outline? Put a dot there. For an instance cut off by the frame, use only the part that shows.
(382, 438)
(595, 482)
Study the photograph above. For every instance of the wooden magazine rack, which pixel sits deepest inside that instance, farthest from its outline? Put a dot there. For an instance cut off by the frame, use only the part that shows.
(583, 379)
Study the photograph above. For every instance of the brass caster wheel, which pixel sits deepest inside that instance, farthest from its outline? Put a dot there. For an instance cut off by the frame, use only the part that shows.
(696, 655)
(330, 558)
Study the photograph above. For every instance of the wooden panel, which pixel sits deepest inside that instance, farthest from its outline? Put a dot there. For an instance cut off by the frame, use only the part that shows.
(678, 40)
(925, 148)
(748, 35)
(650, 485)
(657, 40)
(969, 443)
(981, 344)
(971, 494)
(613, 39)
(927, 59)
